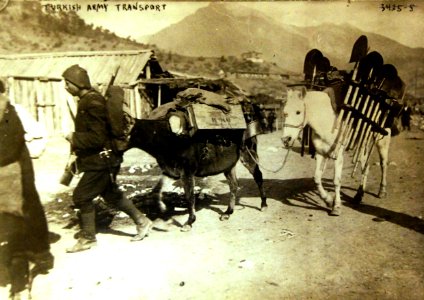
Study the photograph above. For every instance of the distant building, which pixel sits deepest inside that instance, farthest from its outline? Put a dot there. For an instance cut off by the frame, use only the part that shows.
(256, 75)
(253, 56)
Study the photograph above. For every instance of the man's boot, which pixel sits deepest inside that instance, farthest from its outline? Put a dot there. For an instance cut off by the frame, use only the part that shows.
(83, 243)
(143, 226)
(87, 235)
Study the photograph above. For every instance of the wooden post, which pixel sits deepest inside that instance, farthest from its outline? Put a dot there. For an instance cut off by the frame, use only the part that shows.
(139, 106)
(159, 95)
(147, 71)
(39, 103)
(56, 99)
(133, 107)
(51, 116)
(24, 96)
(32, 97)
(11, 83)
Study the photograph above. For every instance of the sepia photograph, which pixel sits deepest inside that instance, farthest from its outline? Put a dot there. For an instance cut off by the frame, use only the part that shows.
(204, 150)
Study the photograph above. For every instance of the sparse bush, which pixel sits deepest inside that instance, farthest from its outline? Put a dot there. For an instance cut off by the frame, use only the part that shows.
(187, 66)
(24, 15)
(58, 44)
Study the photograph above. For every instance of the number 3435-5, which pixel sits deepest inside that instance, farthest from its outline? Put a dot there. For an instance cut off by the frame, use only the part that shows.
(397, 7)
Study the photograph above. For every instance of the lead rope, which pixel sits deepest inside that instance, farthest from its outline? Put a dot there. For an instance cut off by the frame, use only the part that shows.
(284, 161)
(301, 126)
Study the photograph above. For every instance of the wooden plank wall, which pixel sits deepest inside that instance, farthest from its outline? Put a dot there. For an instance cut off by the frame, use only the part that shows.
(47, 101)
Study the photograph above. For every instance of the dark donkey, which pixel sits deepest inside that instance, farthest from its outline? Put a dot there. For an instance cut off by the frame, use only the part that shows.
(206, 153)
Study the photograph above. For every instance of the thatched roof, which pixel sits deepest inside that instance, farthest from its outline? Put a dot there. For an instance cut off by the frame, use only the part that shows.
(99, 64)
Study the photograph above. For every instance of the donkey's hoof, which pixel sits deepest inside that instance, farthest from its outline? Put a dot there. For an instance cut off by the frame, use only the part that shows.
(336, 211)
(186, 228)
(382, 194)
(224, 217)
(358, 198)
(264, 207)
(359, 195)
(328, 201)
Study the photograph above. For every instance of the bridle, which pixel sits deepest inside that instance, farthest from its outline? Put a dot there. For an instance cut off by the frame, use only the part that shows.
(300, 126)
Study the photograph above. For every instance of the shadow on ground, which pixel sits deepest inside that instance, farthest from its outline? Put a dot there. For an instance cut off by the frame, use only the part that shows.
(299, 192)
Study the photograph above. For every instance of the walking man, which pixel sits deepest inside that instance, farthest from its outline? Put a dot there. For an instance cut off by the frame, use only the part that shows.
(92, 144)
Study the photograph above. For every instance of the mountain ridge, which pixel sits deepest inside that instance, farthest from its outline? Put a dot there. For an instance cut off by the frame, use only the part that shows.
(215, 30)
(223, 34)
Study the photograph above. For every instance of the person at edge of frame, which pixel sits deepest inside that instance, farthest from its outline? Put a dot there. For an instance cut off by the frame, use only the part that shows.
(24, 234)
(406, 117)
(92, 144)
(271, 119)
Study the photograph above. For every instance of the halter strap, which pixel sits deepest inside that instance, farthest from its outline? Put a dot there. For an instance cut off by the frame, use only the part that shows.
(302, 124)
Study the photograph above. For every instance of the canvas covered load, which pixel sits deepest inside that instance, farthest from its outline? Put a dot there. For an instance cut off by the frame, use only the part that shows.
(212, 111)
(196, 109)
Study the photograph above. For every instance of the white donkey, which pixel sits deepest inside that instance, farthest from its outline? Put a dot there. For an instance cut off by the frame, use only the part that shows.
(314, 108)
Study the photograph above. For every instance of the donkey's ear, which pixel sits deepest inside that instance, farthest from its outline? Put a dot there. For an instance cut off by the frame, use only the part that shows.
(303, 91)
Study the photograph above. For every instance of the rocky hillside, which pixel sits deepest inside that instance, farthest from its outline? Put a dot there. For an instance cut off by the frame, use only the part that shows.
(26, 28)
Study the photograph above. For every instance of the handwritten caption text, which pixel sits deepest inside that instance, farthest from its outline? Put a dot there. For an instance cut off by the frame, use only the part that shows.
(103, 7)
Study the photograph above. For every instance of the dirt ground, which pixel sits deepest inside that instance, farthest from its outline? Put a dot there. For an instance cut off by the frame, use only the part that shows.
(294, 250)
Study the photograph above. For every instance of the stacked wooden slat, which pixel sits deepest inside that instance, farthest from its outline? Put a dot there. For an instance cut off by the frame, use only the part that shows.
(372, 93)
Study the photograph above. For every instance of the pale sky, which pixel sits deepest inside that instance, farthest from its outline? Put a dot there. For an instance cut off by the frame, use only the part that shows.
(405, 26)
(140, 23)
